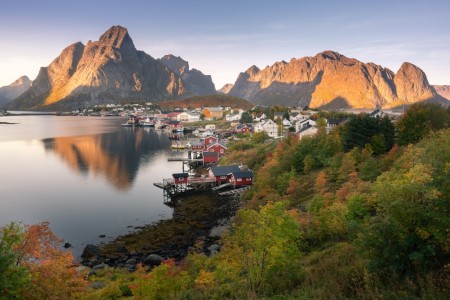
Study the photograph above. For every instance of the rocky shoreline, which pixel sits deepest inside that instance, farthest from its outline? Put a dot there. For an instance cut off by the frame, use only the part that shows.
(198, 223)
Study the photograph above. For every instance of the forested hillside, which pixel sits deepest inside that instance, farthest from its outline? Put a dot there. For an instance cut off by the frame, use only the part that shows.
(361, 212)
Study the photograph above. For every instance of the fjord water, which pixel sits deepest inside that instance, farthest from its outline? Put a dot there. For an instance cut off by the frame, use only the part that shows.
(87, 176)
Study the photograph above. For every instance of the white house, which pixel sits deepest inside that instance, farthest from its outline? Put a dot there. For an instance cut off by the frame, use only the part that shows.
(188, 117)
(307, 131)
(233, 117)
(286, 123)
(305, 123)
(259, 117)
(268, 126)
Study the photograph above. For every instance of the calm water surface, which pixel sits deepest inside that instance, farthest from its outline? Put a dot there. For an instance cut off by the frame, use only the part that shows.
(87, 176)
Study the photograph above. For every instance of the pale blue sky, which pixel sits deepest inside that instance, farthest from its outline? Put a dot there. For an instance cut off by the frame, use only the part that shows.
(223, 38)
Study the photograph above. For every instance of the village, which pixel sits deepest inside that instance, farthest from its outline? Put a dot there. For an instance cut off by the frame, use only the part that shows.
(211, 129)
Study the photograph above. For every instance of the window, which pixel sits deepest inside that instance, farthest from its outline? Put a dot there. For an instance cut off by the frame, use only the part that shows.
(223, 177)
(248, 179)
(221, 150)
(238, 179)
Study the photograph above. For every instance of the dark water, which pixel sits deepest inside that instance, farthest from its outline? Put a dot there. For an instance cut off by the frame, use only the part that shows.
(86, 175)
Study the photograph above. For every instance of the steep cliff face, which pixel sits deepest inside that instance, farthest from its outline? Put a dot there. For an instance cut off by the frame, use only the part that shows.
(196, 83)
(12, 91)
(110, 69)
(226, 88)
(443, 90)
(331, 80)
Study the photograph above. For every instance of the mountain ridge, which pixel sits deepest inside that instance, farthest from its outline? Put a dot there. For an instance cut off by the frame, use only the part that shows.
(332, 80)
(108, 70)
(15, 89)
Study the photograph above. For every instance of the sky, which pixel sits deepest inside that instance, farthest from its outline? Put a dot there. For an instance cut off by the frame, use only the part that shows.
(224, 38)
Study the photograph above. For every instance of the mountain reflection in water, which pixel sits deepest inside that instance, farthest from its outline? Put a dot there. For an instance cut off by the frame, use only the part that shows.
(115, 155)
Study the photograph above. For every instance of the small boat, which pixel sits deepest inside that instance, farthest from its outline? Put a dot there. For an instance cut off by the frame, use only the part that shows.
(146, 123)
(132, 121)
(178, 147)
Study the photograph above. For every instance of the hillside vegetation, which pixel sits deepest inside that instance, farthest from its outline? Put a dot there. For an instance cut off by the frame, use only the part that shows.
(359, 213)
(208, 101)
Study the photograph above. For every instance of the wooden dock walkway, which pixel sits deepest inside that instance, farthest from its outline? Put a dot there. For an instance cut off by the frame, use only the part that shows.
(184, 159)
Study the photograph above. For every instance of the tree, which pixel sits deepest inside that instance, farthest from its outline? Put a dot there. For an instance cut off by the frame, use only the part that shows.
(13, 276)
(259, 137)
(420, 119)
(262, 246)
(365, 130)
(408, 235)
(246, 117)
(36, 251)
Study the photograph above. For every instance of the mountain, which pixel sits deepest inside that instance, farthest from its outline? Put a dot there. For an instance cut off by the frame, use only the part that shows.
(443, 90)
(195, 81)
(226, 88)
(12, 91)
(331, 80)
(108, 70)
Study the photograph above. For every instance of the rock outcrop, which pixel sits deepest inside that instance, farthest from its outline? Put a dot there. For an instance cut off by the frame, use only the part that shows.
(195, 81)
(331, 80)
(443, 90)
(15, 89)
(108, 70)
(226, 88)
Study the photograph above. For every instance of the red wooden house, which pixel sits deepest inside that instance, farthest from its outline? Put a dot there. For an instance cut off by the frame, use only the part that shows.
(197, 146)
(223, 173)
(244, 128)
(210, 158)
(217, 147)
(180, 178)
(210, 140)
(241, 178)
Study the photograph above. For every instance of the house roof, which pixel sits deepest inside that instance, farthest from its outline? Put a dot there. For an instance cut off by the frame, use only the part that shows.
(180, 175)
(242, 174)
(216, 143)
(375, 112)
(240, 126)
(210, 154)
(336, 121)
(225, 170)
(215, 109)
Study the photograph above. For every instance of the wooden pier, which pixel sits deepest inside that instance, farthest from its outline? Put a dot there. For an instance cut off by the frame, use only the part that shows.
(185, 159)
(172, 189)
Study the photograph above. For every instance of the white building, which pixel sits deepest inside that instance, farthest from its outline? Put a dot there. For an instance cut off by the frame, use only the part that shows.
(188, 117)
(268, 126)
(232, 117)
(305, 123)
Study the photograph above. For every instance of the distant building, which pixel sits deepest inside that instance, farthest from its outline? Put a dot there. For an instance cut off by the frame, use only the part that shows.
(188, 117)
(210, 158)
(268, 126)
(241, 178)
(212, 112)
(223, 173)
(217, 147)
(232, 117)
(244, 128)
(305, 123)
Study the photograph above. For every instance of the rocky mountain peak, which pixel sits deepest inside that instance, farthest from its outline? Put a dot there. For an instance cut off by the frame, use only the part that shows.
(328, 54)
(175, 63)
(117, 37)
(226, 88)
(22, 81)
(9, 92)
(253, 70)
(412, 82)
